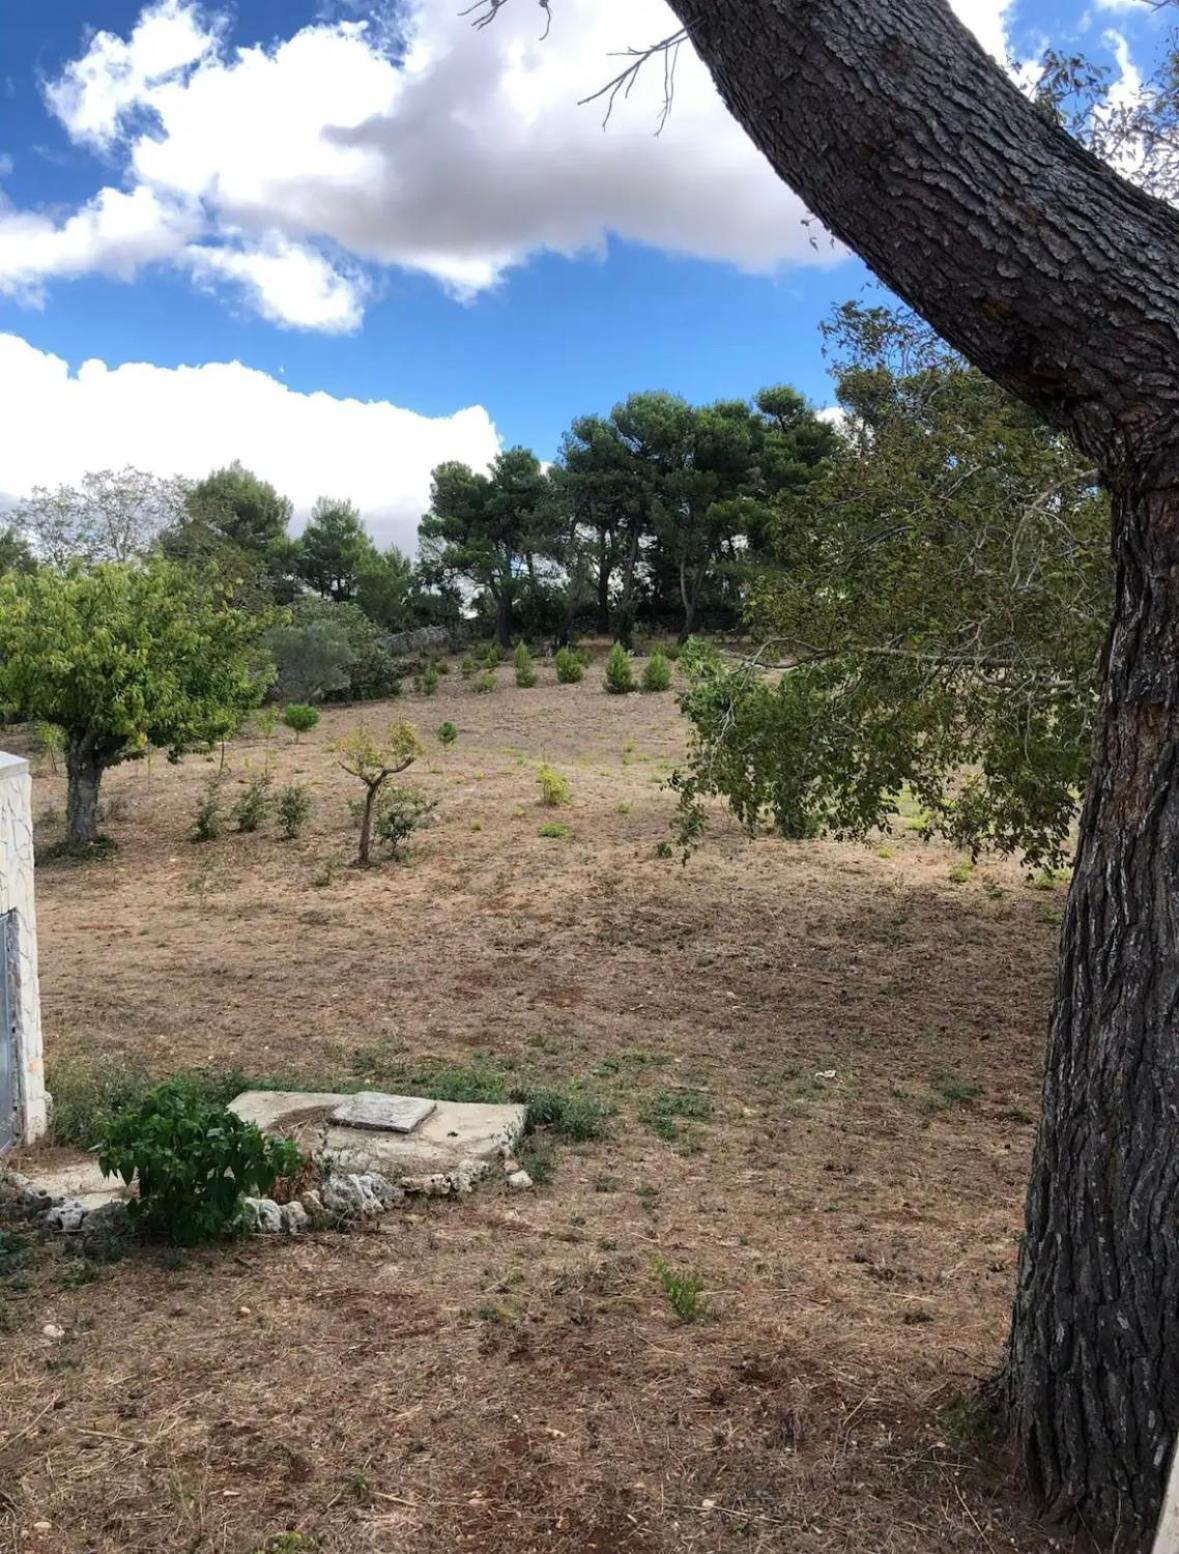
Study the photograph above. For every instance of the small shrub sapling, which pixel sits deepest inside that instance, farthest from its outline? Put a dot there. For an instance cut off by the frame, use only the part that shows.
(554, 786)
(253, 806)
(570, 669)
(525, 669)
(294, 810)
(447, 734)
(373, 760)
(657, 673)
(300, 718)
(400, 811)
(619, 679)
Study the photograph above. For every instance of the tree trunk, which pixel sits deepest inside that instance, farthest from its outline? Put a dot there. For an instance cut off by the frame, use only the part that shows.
(1061, 282)
(503, 619)
(605, 568)
(690, 595)
(624, 630)
(1093, 1373)
(364, 851)
(84, 769)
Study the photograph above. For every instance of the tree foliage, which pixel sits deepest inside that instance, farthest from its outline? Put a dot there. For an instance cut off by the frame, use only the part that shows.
(938, 602)
(110, 515)
(123, 657)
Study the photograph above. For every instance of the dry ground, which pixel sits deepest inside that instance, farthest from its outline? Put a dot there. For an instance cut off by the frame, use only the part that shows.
(505, 1373)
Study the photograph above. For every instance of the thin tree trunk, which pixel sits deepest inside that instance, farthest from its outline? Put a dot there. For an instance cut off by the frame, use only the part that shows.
(503, 619)
(84, 769)
(364, 851)
(690, 595)
(625, 629)
(605, 568)
(1093, 1373)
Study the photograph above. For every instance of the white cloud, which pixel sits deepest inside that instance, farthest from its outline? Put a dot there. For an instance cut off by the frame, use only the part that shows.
(187, 420)
(459, 156)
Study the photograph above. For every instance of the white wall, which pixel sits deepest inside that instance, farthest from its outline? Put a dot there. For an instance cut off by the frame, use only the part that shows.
(16, 895)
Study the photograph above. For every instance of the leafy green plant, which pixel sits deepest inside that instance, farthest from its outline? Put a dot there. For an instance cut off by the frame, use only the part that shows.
(193, 1164)
(294, 810)
(662, 1111)
(468, 664)
(49, 742)
(206, 825)
(253, 806)
(554, 786)
(426, 683)
(657, 673)
(400, 812)
(619, 679)
(570, 669)
(526, 676)
(553, 830)
(566, 1114)
(683, 1288)
(484, 683)
(447, 734)
(300, 718)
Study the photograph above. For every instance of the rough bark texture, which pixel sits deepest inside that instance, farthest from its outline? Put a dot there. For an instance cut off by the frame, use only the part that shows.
(84, 769)
(1061, 282)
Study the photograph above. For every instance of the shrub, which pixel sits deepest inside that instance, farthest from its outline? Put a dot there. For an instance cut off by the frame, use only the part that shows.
(554, 831)
(49, 741)
(525, 668)
(400, 811)
(554, 786)
(620, 676)
(569, 667)
(294, 810)
(300, 718)
(251, 808)
(447, 734)
(683, 1288)
(194, 1162)
(484, 683)
(426, 683)
(657, 673)
(572, 1116)
(468, 665)
(206, 826)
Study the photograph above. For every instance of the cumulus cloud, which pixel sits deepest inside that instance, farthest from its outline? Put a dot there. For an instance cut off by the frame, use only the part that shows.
(283, 170)
(187, 420)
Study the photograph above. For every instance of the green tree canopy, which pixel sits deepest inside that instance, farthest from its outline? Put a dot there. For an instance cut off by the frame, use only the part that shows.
(334, 550)
(122, 657)
(938, 604)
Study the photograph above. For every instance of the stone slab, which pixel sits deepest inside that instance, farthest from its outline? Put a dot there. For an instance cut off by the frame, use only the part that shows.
(454, 1131)
(79, 1179)
(383, 1113)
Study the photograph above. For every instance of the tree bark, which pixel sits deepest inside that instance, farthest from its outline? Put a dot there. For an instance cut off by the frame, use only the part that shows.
(503, 619)
(84, 768)
(365, 848)
(605, 568)
(1061, 282)
(1093, 1374)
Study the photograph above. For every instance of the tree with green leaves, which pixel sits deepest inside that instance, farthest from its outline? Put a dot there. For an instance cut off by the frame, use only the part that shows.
(387, 589)
(15, 552)
(123, 657)
(936, 615)
(489, 529)
(373, 759)
(334, 550)
(234, 526)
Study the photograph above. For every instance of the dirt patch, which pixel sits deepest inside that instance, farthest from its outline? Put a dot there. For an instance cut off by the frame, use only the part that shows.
(860, 1037)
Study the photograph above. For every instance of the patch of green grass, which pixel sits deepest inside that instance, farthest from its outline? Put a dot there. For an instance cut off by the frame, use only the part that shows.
(86, 1094)
(953, 1090)
(683, 1288)
(961, 872)
(539, 1159)
(885, 852)
(566, 1114)
(554, 830)
(1018, 1114)
(663, 1111)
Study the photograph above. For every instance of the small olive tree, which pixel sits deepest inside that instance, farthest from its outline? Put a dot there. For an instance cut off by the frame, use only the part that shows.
(374, 760)
(123, 657)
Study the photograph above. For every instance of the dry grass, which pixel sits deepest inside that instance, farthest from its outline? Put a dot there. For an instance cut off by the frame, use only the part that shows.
(507, 1374)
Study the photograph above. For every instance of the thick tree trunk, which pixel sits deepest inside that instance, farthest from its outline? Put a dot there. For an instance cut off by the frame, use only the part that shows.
(503, 620)
(1093, 1373)
(84, 768)
(1061, 281)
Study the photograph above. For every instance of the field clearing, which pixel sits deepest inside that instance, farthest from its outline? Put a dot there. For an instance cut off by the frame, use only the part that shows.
(505, 1372)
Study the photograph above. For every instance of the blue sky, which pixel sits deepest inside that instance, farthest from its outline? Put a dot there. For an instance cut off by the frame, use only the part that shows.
(357, 203)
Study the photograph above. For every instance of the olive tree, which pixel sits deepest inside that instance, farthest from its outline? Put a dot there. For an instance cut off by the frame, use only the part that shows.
(123, 657)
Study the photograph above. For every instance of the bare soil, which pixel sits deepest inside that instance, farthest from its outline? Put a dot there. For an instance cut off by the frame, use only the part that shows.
(505, 1373)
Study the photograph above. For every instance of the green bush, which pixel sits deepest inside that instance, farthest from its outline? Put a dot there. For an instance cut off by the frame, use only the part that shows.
(620, 676)
(294, 810)
(657, 673)
(49, 741)
(426, 683)
(300, 718)
(484, 683)
(525, 668)
(553, 831)
(253, 806)
(683, 1289)
(194, 1163)
(206, 825)
(569, 667)
(88, 1093)
(554, 786)
(572, 1116)
(468, 664)
(400, 812)
(447, 734)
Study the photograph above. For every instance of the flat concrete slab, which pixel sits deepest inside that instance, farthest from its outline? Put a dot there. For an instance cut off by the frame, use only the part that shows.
(78, 1179)
(384, 1113)
(451, 1132)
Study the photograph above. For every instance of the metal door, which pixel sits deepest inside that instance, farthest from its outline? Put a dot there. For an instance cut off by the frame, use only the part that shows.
(8, 1097)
